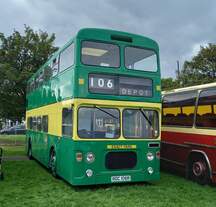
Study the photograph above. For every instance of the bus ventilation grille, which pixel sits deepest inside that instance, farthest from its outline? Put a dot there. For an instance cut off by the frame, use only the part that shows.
(120, 160)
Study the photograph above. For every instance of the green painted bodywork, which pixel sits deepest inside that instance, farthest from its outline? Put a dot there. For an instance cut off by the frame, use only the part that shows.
(75, 172)
(65, 85)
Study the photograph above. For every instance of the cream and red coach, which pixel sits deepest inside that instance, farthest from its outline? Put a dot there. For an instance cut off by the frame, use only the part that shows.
(189, 132)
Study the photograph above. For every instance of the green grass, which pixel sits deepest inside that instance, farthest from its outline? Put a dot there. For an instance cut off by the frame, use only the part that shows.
(13, 144)
(12, 139)
(27, 183)
(13, 150)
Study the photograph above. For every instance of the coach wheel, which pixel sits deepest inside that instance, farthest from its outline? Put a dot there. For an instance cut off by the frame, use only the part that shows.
(29, 150)
(52, 163)
(199, 170)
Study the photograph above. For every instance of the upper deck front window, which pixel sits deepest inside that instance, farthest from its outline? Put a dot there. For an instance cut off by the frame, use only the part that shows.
(100, 54)
(140, 59)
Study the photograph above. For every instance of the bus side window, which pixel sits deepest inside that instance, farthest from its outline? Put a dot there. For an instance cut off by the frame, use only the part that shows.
(45, 124)
(36, 81)
(66, 58)
(47, 72)
(29, 123)
(40, 78)
(67, 122)
(34, 123)
(39, 123)
(32, 86)
(55, 66)
(206, 109)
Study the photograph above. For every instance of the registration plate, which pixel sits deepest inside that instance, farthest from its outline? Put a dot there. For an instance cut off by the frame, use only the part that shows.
(123, 178)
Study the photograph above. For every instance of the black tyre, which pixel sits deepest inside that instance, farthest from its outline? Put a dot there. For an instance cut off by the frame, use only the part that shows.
(29, 152)
(199, 170)
(52, 163)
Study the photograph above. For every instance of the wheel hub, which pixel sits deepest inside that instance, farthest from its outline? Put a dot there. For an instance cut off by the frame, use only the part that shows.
(198, 168)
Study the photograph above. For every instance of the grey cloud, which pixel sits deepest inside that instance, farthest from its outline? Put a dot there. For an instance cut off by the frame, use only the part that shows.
(178, 26)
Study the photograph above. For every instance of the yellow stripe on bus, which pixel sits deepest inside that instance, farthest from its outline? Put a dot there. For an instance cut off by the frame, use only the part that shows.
(54, 112)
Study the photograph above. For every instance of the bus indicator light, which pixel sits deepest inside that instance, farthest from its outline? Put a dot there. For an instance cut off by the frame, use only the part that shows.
(79, 156)
(158, 155)
(81, 81)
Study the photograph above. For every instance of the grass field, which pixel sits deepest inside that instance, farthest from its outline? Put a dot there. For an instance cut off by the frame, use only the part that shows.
(27, 183)
(12, 144)
(12, 139)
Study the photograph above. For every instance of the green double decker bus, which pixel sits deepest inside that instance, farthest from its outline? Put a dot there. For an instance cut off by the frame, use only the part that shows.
(93, 109)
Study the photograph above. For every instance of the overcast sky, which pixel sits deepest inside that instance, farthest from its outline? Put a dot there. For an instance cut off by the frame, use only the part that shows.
(179, 26)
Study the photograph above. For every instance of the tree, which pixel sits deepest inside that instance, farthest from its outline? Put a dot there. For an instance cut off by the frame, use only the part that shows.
(169, 84)
(201, 69)
(20, 57)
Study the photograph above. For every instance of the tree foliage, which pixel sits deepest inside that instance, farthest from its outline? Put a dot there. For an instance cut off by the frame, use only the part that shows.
(20, 57)
(169, 84)
(201, 69)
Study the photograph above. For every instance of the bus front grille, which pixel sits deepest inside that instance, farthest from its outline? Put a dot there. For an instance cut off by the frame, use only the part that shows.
(120, 160)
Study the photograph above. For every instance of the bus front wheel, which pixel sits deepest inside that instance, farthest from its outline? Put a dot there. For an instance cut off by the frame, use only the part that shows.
(52, 163)
(199, 170)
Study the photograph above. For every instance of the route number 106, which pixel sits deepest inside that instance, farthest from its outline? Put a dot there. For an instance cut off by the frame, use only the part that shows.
(103, 83)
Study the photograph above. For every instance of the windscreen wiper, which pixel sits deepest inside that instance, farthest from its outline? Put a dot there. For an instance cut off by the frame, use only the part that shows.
(115, 117)
(146, 118)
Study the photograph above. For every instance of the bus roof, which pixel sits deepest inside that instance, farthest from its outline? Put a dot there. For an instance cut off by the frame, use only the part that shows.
(190, 88)
(115, 35)
(101, 34)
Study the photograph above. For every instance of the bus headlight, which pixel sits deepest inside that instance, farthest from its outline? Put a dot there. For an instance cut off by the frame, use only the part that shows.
(150, 170)
(150, 156)
(89, 173)
(90, 157)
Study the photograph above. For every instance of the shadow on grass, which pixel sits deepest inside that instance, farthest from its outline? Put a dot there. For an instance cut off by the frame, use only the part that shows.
(179, 172)
(107, 186)
(97, 186)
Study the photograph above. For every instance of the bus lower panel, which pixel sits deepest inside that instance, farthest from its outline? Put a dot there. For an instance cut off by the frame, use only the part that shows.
(74, 172)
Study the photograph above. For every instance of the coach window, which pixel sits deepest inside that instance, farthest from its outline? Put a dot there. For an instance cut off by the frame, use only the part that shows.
(45, 124)
(67, 122)
(55, 66)
(67, 58)
(178, 109)
(39, 123)
(206, 109)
